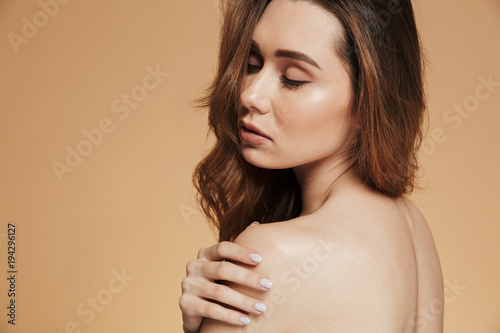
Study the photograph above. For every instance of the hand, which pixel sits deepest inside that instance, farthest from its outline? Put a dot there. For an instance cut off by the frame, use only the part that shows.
(199, 288)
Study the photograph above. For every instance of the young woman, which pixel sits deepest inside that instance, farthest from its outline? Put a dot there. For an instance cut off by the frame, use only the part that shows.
(317, 109)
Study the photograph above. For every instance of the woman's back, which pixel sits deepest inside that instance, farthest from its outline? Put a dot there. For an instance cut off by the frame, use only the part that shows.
(429, 317)
(363, 262)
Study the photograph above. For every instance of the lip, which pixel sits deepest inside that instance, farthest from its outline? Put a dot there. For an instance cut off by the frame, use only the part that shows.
(254, 128)
(252, 137)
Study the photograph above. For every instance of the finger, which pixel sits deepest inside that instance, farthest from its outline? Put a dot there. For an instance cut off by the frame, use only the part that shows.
(232, 251)
(253, 224)
(230, 297)
(228, 271)
(199, 308)
(218, 312)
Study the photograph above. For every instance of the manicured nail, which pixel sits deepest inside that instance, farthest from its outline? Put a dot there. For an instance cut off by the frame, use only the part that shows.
(266, 283)
(255, 257)
(260, 307)
(245, 320)
(252, 224)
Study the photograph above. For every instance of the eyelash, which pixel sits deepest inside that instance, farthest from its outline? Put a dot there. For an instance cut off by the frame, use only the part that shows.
(292, 84)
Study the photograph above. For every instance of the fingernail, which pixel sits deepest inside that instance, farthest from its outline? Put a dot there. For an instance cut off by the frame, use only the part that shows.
(255, 257)
(260, 307)
(245, 320)
(266, 283)
(252, 224)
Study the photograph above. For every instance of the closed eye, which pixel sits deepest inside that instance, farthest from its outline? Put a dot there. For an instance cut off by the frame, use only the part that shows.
(252, 69)
(292, 84)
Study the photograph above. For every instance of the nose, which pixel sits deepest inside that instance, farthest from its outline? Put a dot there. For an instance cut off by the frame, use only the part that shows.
(256, 92)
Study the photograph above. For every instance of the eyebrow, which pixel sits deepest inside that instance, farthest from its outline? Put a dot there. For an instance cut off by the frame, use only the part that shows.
(290, 54)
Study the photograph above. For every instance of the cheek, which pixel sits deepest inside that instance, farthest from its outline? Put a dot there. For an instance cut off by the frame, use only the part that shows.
(321, 118)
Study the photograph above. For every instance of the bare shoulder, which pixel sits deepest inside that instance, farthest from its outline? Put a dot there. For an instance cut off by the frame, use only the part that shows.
(351, 268)
(429, 317)
(274, 242)
(351, 265)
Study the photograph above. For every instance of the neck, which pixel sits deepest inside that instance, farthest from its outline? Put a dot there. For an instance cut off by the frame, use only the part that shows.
(323, 179)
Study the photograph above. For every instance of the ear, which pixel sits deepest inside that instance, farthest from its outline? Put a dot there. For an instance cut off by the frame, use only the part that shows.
(356, 125)
(355, 120)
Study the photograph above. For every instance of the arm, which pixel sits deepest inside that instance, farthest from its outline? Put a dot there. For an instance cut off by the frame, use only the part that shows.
(352, 281)
(267, 248)
(203, 296)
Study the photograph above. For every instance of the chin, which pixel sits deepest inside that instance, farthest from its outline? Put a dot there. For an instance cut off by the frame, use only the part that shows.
(262, 163)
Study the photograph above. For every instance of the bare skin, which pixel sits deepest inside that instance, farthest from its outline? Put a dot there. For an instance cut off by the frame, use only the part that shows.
(354, 260)
(200, 288)
(362, 263)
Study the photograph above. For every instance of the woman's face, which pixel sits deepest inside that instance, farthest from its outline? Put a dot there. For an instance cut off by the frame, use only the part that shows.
(296, 90)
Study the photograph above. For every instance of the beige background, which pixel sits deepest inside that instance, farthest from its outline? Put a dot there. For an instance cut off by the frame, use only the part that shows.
(127, 207)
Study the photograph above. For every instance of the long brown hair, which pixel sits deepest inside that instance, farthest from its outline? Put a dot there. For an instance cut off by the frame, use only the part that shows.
(381, 50)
